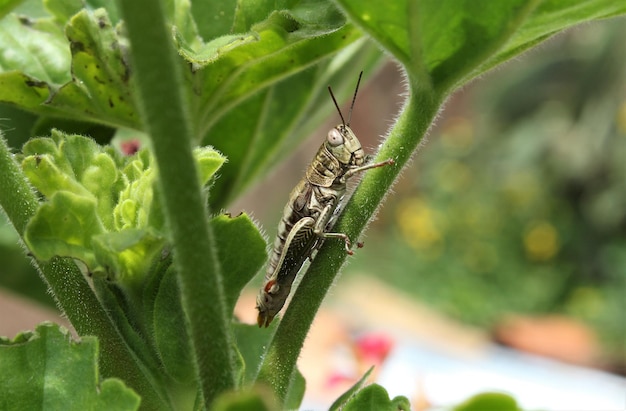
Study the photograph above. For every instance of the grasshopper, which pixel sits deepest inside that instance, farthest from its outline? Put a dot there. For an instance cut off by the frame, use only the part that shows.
(310, 212)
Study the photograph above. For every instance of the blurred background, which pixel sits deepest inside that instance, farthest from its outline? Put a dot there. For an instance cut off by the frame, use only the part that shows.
(507, 230)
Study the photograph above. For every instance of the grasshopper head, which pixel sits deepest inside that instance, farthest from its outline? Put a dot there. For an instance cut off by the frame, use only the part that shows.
(344, 146)
(341, 141)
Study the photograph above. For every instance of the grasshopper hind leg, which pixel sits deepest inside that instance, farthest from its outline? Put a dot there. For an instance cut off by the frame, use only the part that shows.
(344, 237)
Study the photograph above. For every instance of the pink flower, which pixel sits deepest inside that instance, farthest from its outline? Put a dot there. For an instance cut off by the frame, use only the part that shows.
(373, 348)
(130, 147)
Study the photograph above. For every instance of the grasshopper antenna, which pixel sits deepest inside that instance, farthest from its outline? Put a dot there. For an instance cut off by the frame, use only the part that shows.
(354, 98)
(330, 90)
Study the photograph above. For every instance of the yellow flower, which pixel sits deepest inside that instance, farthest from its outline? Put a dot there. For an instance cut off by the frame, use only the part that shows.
(417, 223)
(541, 241)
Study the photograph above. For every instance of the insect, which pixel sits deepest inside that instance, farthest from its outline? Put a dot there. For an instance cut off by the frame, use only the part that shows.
(310, 212)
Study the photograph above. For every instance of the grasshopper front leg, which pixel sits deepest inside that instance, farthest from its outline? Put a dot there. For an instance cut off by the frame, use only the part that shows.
(355, 170)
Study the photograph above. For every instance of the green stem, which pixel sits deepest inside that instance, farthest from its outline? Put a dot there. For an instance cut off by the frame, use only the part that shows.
(69, 288)
(279, 364)
(164, 111)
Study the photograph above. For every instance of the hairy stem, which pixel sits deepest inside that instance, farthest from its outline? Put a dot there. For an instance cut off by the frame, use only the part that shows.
(158, 76)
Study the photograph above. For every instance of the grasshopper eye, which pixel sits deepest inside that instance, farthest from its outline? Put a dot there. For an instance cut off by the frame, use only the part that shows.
(334, 137)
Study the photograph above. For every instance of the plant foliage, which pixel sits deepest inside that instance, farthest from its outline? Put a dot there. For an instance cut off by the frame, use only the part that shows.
(133, 247)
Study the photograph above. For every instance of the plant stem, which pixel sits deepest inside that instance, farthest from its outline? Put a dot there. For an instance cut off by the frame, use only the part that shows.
(164, 111)
(70, 290)
(279, 364)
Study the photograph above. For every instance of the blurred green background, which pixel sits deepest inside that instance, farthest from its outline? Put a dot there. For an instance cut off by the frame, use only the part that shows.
(517, 204)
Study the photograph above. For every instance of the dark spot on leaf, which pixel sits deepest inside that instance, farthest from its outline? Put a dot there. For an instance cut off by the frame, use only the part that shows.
(229, 215)
(37, 160)
(102, 23)
(126, 74)
(76, 47)
(111, 103)
(35, 83)
(26, 21)
(98, 79)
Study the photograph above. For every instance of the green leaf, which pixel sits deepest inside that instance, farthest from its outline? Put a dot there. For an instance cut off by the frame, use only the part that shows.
(295, 394)
(45, 369)
(76, 164)
(101, 89)
(210, 52)
(138, 206)
(253, 66)
(346, 396)
(209, 161)
(400, 403)
(63, 10)
(374, 397)
(549, 18)
(87, 79)
(241, 252)
(251, 344)
(255, 399)
(491, 401)
(151, 287)
(170, 334)
(127, 255)
(7, 5)
(109, 5)
(213, 18)
(127, 233)
(448, 43)
(65, 226)
(38, 50)
(50, 176)
(22, 90)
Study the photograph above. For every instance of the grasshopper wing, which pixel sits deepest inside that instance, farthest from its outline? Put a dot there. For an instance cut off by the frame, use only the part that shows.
(299, 245)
